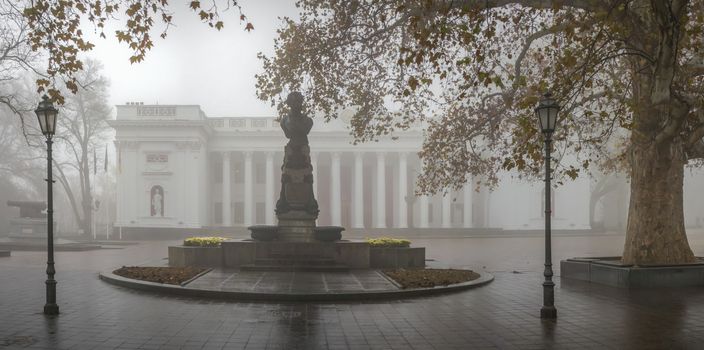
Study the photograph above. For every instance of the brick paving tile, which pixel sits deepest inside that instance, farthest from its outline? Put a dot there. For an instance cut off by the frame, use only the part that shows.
(500, 315)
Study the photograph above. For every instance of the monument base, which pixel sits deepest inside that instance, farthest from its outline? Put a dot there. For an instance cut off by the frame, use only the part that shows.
(611, 272)
(28, 228)
(296, 226)
(350, 254)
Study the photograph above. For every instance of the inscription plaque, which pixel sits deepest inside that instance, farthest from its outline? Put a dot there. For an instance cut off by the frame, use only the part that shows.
(156, 111)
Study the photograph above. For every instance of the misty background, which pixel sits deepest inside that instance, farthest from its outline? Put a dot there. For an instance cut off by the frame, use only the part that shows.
(194, 65)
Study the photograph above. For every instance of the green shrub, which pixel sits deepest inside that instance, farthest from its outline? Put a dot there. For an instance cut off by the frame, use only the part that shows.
(388, 242)
(203, 241)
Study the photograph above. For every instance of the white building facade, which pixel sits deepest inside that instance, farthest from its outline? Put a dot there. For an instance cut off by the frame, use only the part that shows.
(180, 170)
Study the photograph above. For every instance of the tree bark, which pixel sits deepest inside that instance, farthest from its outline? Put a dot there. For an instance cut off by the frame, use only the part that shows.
(655, 234)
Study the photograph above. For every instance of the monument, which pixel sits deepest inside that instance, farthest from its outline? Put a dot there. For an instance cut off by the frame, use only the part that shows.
(29, 230)
(297, 210)
(296, 243)
(31, 223)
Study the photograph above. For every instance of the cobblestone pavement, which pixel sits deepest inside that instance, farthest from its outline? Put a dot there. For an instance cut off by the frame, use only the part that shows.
(503, 314)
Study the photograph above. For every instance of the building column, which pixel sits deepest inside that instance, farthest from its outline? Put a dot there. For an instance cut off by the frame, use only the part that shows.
(226, 191)
(314, 165)
(402, 205)
(358, 194)
(423, 205)
(269, 190)
(467, 205)
(446, 209)
(335, 197)
(380, 190)
(248, 184)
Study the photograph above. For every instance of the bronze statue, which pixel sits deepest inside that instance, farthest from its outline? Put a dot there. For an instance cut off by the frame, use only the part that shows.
(297, 171)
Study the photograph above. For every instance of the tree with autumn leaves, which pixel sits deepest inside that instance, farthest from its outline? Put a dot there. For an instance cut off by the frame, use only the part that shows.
(56, 28)
(628, 75)
(53, 31)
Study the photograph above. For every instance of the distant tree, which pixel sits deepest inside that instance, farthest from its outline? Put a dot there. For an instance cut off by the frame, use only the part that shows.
(16, 58)
(604, 185)
(20, 166)
(56, 28)
(81, 135)
(626, 72)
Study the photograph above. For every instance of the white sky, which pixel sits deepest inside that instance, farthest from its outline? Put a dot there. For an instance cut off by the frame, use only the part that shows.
(196, 64)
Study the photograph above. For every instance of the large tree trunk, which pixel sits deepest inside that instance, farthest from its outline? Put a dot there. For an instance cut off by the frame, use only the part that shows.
(655, 234)
(86, 194)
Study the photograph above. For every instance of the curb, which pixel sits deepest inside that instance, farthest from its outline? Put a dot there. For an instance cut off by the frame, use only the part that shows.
(109, 277)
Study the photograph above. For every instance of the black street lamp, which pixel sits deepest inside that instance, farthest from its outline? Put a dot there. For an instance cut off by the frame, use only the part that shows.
(46, 113)
(547, 118)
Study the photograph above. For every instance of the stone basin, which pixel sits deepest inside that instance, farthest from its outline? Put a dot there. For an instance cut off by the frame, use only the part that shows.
(328, 233)
(264, 232)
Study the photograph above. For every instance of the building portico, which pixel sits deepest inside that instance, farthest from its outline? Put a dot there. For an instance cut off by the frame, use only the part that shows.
(225, 172)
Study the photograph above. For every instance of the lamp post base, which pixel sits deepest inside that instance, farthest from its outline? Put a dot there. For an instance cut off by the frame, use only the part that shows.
(51, 309)
(548, 313)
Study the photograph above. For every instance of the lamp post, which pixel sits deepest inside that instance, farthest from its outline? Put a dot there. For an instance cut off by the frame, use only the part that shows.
(46, 113)
(547, 118)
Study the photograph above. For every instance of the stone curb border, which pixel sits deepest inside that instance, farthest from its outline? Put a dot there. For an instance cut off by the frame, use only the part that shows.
(185, 283)
(109, 277)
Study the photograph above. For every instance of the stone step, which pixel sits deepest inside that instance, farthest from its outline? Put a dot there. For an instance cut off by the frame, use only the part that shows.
(311, 268)
(296, 256)
(295, 261)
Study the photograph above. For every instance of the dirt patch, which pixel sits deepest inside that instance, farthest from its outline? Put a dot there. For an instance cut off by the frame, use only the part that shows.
(167, 275)
(428, 278)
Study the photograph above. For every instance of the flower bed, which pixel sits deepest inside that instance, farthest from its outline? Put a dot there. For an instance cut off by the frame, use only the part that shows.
(429, 278)
(203, 241)
(388, 242)
(166, 275)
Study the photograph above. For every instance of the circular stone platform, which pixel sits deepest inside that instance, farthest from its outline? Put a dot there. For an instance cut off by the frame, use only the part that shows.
(232, 284)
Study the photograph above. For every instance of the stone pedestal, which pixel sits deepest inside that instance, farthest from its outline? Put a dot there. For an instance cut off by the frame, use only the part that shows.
(296, 226)
(28, 228)
(350, 254)
(296, 230)
(611, 272)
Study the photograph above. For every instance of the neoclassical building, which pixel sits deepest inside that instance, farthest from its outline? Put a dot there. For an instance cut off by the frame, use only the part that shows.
(179, 169)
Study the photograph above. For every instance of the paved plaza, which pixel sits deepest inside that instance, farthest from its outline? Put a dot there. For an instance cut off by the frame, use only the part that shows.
(500, 315)
(292, 282)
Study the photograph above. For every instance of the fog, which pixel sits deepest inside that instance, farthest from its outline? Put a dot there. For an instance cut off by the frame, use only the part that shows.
(179, 211)
(196, 64)
(206, 77)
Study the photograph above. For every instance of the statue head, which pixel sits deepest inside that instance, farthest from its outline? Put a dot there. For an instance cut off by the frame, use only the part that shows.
(295, 100)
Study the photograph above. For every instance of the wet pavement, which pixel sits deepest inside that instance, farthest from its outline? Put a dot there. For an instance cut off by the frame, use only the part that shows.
(503, 314)
(292, 282)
